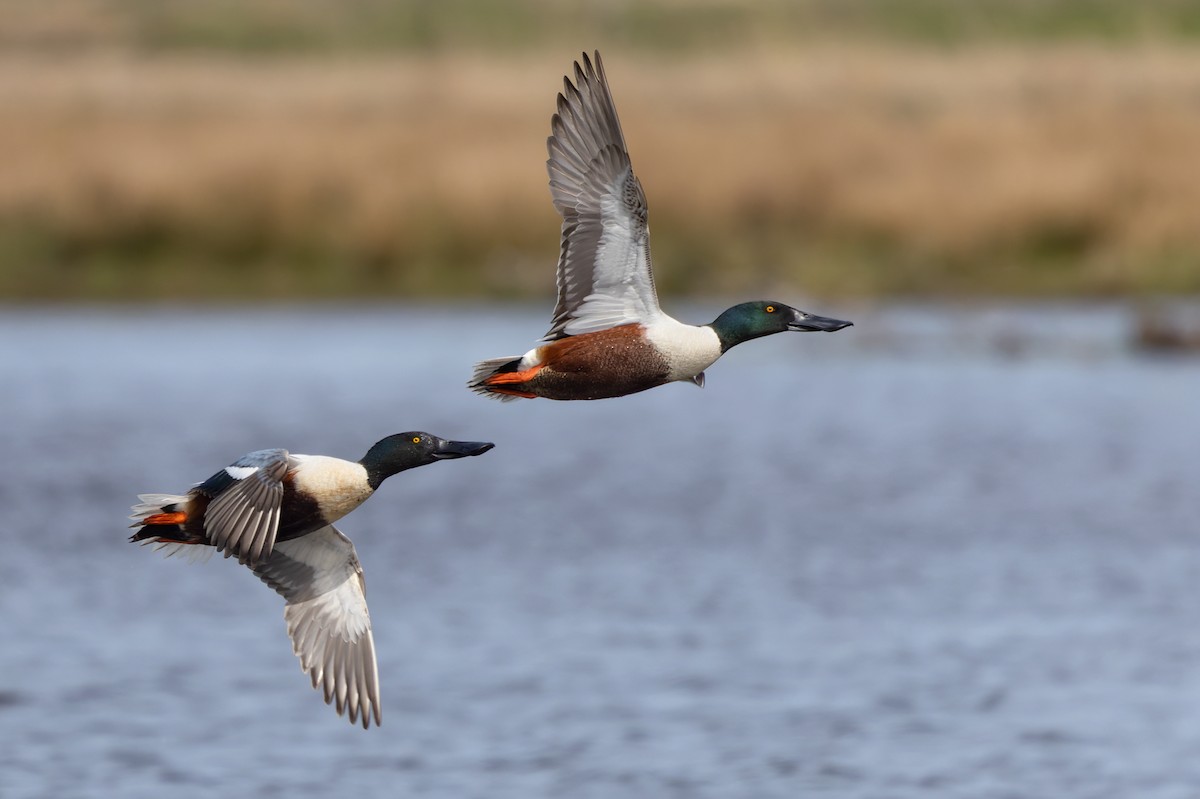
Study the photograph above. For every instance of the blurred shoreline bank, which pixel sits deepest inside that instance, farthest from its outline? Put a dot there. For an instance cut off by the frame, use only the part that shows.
(862, 170)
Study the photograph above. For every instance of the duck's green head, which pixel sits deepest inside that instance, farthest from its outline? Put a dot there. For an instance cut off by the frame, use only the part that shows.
(762, 318)
(410, 450)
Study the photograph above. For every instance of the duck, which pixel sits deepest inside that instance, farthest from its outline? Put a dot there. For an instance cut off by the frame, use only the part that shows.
(608, 335)
(274, 511)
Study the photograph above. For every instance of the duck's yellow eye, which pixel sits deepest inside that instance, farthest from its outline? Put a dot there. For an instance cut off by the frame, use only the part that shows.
(770, 309)
(416, 439)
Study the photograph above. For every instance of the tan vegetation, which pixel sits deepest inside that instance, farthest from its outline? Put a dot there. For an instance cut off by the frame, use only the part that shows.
(833, 170)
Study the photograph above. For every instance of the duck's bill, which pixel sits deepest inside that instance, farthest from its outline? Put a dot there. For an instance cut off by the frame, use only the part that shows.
(811, 323)
(461, 449)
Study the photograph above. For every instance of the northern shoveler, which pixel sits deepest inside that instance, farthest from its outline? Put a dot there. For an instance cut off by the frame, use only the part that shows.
(608, 336)
(275, 510)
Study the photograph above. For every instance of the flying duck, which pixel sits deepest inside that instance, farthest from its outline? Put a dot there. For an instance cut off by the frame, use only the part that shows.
(274, 511)
(608, 337)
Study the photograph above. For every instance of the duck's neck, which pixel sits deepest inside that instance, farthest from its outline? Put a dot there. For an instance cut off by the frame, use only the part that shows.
(379, 469)
(734, 326)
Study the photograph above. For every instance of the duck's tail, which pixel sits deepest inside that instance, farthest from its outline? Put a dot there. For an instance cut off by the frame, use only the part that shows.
(161, 520)
(499, 379)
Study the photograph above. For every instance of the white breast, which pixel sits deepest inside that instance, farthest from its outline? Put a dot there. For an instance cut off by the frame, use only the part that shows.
(339, 486)
(689, 349)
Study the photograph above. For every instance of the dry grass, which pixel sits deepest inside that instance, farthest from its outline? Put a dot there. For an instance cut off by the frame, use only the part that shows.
(854, 171)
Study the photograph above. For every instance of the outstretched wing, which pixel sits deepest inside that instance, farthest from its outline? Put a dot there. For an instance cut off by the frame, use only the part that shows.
(243, 515)
(326, 614)
(604, 272)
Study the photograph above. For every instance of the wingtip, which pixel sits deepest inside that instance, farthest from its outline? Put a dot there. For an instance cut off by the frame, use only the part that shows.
(588, 67)
(585, 69)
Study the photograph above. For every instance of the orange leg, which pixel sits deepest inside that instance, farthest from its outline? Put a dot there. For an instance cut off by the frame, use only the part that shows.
(178, 517)
(505, 378)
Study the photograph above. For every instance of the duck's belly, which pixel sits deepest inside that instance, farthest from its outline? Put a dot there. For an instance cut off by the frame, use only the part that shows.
(554, 384)
(608, 363)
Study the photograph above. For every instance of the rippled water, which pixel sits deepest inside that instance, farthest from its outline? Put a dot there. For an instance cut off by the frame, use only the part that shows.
(948, 553)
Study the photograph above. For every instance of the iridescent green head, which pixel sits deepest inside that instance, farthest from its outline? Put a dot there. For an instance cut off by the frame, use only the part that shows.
(762, 318)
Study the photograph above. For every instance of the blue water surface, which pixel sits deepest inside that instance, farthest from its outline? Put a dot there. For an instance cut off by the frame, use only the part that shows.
(947, 552)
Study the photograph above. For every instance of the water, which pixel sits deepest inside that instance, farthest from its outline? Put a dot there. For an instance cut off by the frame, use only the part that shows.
(948, 553)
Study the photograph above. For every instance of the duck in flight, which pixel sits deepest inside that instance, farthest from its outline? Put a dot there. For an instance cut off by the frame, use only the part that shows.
(274, 511)
(608, 336)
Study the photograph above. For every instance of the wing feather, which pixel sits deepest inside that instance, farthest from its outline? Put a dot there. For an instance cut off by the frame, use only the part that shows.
(605, 278)
(327, 619)
(243, 516)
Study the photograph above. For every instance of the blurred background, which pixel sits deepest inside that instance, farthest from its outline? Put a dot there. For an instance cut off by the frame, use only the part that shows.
(948, 551)
(313, 148)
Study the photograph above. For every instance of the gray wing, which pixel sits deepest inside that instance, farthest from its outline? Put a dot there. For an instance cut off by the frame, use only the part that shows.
(326, 614)
(243, 515)
(604, 272)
